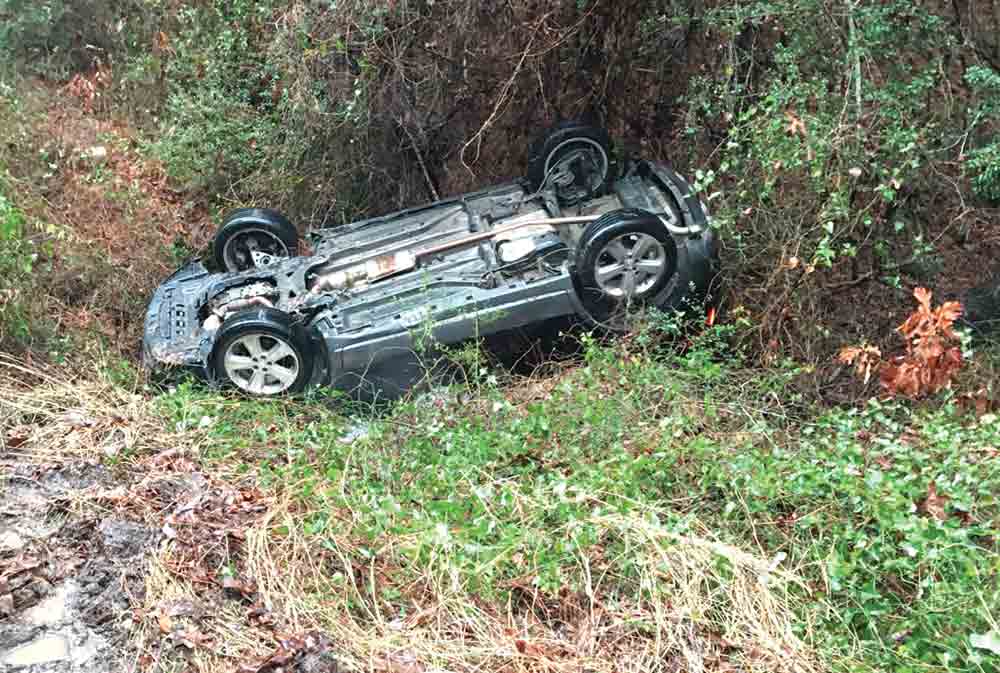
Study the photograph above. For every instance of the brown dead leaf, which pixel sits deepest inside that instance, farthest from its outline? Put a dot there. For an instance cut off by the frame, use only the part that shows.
(932, 356)
(795, 125)
(979, 402)
(934, 503)
(16, 437)
(885, 462)
(238, 587)
(192, 639)
(865, 359)
(259, 615)
(294, 649)
(529, 649)
(166, 623)
(161, 42)
(181, 607)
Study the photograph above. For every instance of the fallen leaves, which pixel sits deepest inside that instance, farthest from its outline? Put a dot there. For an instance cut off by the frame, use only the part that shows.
(310, 651)
(864, 358)
(237, 588)
(979, 402)
(86, 88)
(795, 125)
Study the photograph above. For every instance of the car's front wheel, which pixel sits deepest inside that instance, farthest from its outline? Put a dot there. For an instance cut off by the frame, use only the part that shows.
(623, 260)
(262, 353)
(254, 237)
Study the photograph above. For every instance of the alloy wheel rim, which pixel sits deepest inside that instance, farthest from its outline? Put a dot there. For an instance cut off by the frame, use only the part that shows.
(630, 265)
(261, 364)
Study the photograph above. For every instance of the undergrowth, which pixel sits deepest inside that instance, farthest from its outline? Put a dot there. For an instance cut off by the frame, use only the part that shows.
(878, 522)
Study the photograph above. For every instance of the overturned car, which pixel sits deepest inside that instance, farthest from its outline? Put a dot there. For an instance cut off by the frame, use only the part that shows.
(568, 240)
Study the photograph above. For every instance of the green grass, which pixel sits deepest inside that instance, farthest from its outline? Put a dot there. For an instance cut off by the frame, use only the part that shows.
(497, 493)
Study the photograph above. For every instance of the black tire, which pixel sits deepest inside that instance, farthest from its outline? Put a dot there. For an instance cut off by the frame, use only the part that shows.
(270, 327)
(267, 230)
(558, 143)
(609, 278)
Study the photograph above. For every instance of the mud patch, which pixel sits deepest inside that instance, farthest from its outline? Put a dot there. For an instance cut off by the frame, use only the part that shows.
(67, 574)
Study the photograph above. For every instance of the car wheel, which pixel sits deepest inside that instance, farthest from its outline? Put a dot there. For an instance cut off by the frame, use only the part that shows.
(254, 237)
(573, 159)
(262, 353)
(623, 260)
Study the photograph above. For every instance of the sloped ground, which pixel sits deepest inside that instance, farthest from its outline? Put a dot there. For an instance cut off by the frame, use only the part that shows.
(181, 555)
(554, 525)
(107, 226)
(111, 544)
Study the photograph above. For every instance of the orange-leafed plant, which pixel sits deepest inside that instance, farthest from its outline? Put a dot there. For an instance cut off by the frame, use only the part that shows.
(933, 351)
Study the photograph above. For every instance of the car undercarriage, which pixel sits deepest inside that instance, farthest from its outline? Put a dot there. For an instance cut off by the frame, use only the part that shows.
(363, 308)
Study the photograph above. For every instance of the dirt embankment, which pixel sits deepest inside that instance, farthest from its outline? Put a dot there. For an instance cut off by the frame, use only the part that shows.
(105, 223)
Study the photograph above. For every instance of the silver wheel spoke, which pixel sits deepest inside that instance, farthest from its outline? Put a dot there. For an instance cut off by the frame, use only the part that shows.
(617, 250)
(285, 375)
(651, 267)
(257, 381)
(606, 273)
(238, 363)
(253, 345)
(643, 246)
(279, 352)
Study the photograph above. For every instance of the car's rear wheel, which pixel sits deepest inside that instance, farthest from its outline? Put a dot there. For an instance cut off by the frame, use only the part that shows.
(262, 353)
(623, 260)
(573, 159)
(252, 238)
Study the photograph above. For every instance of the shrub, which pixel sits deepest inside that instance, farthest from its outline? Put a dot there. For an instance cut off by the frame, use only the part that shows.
(832, 133)
(983, 160)
(17, 261)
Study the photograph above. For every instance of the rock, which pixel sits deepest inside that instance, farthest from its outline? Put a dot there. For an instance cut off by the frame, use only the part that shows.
(53, 609)
(6, 605)
(18, 581)
(47, 648)
(318, 662)
(124, 539)
(11, 541)
(31, 593)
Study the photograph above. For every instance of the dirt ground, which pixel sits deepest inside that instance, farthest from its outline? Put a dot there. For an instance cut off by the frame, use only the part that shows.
(68, 571)
(119, 553)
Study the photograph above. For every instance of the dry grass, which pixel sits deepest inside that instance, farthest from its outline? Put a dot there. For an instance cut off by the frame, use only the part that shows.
(695, 604)
(57, 414)
(698, 606)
